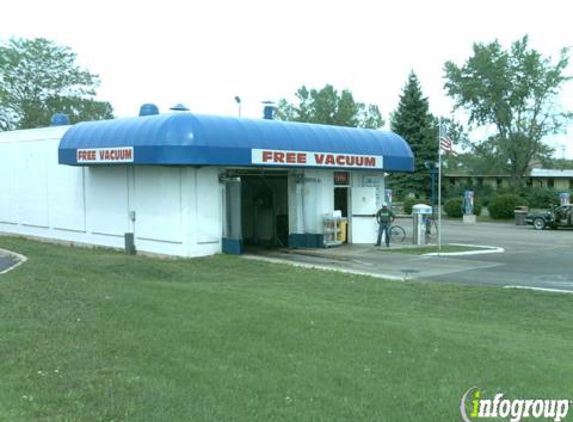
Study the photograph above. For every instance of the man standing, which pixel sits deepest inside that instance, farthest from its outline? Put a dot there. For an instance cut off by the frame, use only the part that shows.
(384, 217)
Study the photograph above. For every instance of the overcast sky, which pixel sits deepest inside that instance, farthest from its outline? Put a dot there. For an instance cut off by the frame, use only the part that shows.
(204, 53)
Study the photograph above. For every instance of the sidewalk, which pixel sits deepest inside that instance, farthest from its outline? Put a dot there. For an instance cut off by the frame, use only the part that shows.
(371, 260)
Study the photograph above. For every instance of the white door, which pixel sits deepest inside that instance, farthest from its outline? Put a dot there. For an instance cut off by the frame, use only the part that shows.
(363, 212)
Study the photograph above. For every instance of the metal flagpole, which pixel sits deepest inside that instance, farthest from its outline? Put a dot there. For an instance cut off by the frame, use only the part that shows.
(439, 189)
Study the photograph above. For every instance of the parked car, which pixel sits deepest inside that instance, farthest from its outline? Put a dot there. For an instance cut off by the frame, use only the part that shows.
(559, 216)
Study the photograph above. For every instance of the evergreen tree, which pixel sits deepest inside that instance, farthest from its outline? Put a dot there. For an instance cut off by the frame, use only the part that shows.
(414, 122)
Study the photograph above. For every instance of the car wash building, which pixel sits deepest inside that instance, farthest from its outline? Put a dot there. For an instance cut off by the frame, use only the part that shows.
(192, 185)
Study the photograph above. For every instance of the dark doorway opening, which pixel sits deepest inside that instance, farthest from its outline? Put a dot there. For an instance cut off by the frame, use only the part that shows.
(264, 208)
(341, 204)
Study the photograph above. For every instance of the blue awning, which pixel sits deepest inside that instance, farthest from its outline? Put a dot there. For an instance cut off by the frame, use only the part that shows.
(202, 140)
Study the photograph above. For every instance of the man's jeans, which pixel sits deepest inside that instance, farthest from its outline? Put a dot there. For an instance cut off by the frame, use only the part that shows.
(383, 227)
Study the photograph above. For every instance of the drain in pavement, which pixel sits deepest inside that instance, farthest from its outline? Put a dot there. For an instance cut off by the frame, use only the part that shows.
(408, 273)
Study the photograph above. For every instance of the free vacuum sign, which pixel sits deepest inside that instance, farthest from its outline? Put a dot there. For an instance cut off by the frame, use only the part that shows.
(105, 155)
(284, 158)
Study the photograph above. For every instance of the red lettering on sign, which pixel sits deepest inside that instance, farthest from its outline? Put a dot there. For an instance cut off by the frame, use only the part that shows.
(267, 156)
(370, 162)
(279, 157)
(319, 158)
(301, 158)
(340, 160)
(329, 159)
(291, 157)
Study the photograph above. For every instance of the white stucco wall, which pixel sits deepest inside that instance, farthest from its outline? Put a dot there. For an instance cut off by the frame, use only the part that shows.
(312, 198)
(178, 210)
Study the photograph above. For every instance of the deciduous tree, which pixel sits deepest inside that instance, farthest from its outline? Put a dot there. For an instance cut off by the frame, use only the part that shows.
(330, 107)
(514, 93)
(39, 78)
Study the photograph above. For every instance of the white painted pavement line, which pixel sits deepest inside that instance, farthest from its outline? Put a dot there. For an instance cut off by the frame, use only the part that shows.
(538, 289)
(21, 260)
(322, 267)
(483, 250)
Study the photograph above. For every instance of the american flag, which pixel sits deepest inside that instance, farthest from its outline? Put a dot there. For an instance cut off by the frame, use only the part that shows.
(446, 143)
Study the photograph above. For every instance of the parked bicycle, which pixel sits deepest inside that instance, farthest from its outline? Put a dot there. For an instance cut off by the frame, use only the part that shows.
(397, 233)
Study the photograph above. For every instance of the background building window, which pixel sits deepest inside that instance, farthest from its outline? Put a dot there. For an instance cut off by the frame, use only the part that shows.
(550, 183)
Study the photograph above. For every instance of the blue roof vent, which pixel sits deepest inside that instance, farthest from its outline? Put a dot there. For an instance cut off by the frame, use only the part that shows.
(179, 107)
(59, 119)
(269, 110)
(148, 109)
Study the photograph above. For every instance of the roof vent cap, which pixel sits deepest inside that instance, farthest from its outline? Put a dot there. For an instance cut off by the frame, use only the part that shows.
(148, 109)
(179, 107)
(59, 119)
(268, 110)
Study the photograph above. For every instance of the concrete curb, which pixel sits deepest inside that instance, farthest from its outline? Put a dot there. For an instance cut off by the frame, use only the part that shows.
(323, 267)
(483, 250)
(538, 289)
(21, 260)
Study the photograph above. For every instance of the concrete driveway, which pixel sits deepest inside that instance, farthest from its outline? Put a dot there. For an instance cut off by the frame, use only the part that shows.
(542, 259)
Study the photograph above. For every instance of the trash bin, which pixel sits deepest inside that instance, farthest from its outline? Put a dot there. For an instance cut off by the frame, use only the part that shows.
(343, 228)
(520, 213)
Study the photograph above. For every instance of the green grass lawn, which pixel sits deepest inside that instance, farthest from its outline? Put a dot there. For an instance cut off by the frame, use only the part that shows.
(95, 335)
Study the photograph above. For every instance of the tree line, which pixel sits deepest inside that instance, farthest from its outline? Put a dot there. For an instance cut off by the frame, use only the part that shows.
(513, 93)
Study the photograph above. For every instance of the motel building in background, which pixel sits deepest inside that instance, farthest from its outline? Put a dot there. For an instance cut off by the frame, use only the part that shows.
(190, 185)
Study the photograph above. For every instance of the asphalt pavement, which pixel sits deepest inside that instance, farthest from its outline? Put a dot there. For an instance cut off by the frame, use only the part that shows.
(7, 261)
(534, 258)
(531, 258)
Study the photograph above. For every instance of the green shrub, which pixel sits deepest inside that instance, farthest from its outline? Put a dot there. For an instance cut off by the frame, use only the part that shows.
(540, 197)
(484, 193)
(453, 207)
(410, 202)
(502, 206)
(478, 206)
